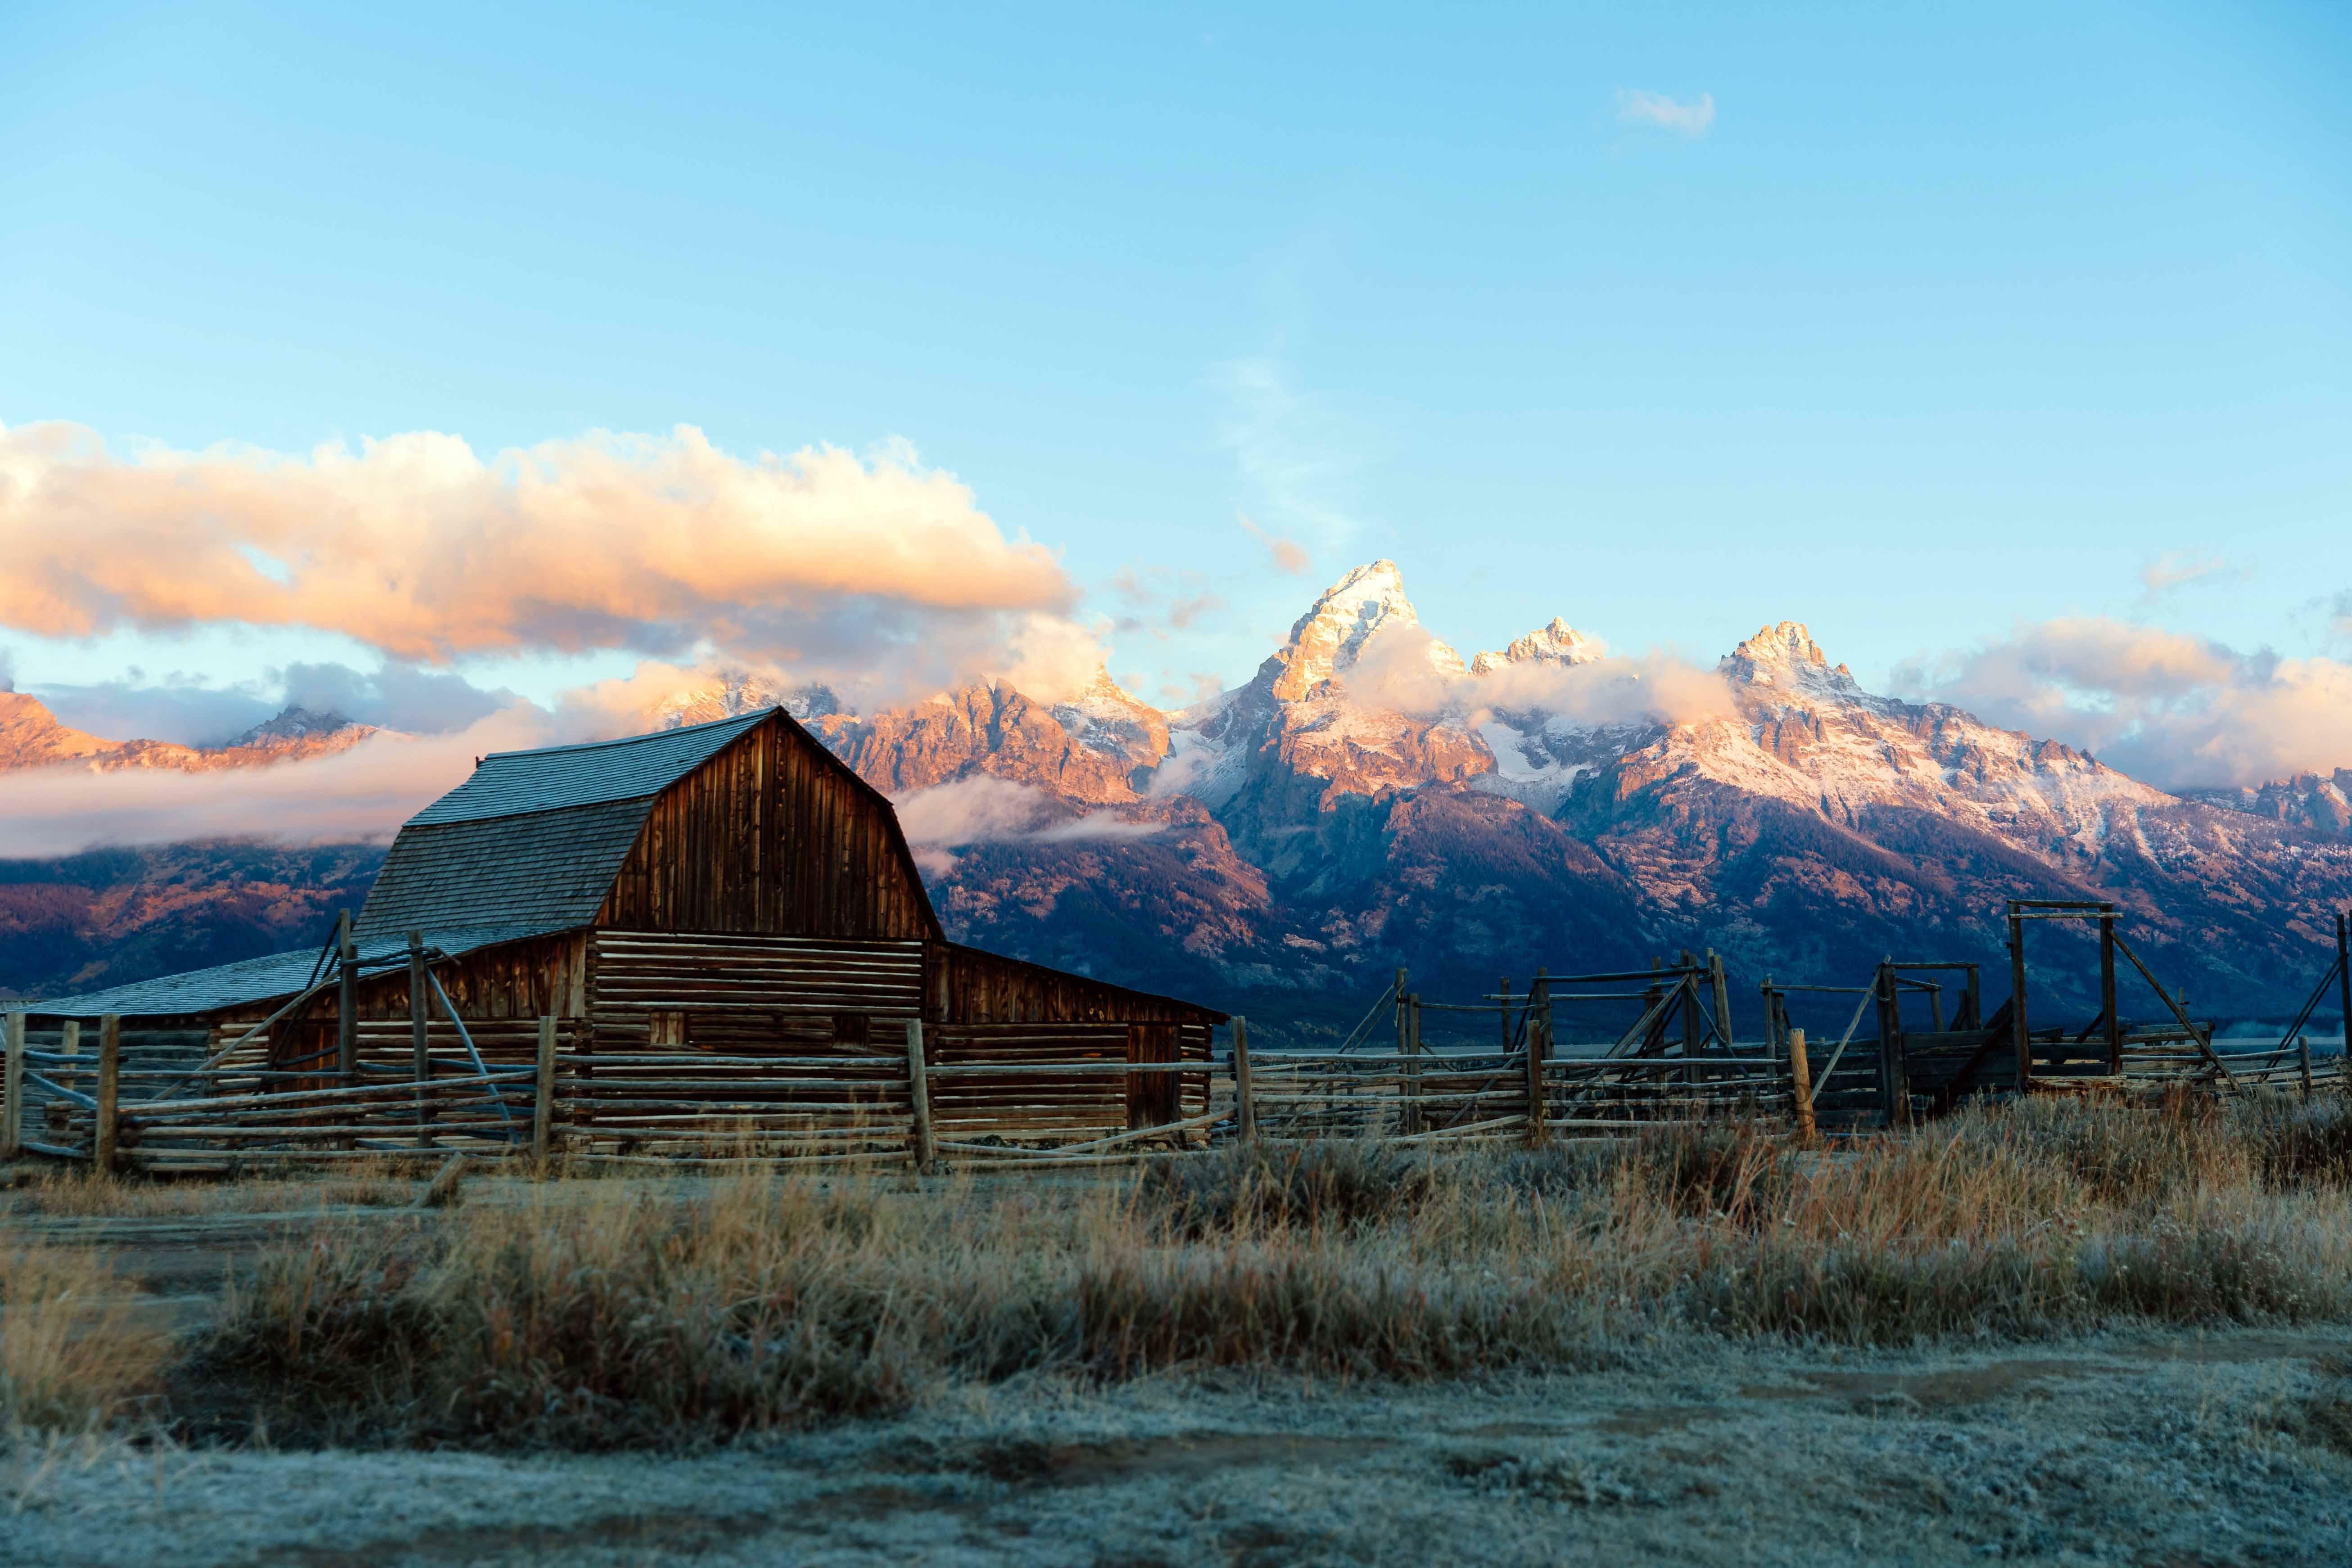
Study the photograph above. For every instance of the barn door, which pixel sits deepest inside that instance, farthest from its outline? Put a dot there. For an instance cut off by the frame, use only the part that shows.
(1150, 1096)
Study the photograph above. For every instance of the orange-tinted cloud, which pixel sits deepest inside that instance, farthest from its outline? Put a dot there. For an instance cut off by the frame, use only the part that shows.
(2179, 712)
(421, 548)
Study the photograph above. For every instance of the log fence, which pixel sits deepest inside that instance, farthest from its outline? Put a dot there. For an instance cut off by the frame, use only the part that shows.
(763, 1083)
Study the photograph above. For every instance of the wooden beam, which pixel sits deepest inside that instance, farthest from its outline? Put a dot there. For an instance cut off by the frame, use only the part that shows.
(2107, 994)
(1245, 1111)
(2344, 990)
(543, 1105)
(420, 1037)
(11, 1091)
(926, 1151)
(109, 1092)
(1411, 1118)
(2179, 1011)
(2017, 1029)
(347, 999)
(1539, 1047)
(1800, 1086)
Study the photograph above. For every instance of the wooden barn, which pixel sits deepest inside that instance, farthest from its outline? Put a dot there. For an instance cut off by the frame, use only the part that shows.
(727, 927)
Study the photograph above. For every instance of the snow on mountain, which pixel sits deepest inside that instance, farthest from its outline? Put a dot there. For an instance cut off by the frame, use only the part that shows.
(1330, 638)
(1303, 730)
(729, 692)
(1113, 722)
(2321, 802)
(1557, 643)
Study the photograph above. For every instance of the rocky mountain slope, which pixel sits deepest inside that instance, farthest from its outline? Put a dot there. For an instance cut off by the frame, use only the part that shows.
(31, 737)
(1368, 799)
(1381, 802)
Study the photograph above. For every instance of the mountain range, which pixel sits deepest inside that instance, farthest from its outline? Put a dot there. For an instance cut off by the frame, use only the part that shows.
(1369, 800)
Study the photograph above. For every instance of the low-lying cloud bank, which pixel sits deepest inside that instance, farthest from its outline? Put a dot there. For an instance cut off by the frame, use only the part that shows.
(874, 573)
(1406, 669)
(2177, 712)
(982, 809)
(356, 795)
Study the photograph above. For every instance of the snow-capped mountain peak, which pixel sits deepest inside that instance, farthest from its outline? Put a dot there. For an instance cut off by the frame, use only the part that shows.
(729, 692)
(291, 725)
(1331, 636)
(1786, 656)
(1557, 643)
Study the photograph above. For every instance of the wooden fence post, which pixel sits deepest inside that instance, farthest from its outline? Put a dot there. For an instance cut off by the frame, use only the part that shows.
(2019, 1036)
(2303, 1062)
(918, 1091)
(11, 1091)
(1722, 998)
(1800, 1086)
(347, 1002)
(1893, 1083)
(420, 1038)
(2107, 991)
(2344, 990)
(542, 1104)
(1245, 1108)
(109, 1093)
(1412, 1117)
(1539, 1047)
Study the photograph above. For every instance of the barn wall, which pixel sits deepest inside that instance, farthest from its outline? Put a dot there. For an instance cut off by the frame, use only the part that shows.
(735, 994)
(771, 837)
(514, 982)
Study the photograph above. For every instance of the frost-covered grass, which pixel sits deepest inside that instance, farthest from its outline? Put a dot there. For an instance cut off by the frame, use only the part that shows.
(623, 1315)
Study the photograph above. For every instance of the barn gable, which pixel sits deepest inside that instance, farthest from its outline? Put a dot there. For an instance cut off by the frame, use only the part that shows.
(747, 826)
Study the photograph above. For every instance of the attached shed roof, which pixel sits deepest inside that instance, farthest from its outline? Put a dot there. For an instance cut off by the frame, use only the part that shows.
(274, 978)
(556, 778)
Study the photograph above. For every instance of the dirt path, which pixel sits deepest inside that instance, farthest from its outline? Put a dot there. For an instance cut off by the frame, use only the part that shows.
(2165, 1449)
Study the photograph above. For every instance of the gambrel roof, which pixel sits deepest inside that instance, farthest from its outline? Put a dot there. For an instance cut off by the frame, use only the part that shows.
(533, 839)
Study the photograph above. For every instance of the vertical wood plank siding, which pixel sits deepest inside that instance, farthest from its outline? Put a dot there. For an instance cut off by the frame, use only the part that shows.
(769, 837)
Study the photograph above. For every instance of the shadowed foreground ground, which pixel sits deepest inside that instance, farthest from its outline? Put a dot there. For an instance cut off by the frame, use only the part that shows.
(2224, 1448)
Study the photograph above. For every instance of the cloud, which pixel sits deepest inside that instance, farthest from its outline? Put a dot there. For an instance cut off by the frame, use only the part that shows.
(1160, 601)
(191, 711)
(1635, 107)
(1295, 457)
(186, 711)
(1288, 554)
(362, 793)
(983, 809)
(1401, 668)
(394, 695)
(879, 571)
(2178, 568)
(2178, 711)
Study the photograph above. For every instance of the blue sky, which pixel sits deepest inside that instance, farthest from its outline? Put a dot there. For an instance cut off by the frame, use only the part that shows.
(1919, 324)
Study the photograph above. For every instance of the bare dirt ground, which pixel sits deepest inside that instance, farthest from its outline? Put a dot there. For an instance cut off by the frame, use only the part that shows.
(2162, 1448)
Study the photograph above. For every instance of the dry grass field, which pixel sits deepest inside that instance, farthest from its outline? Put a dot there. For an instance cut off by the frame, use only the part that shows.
(2050, 1329)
